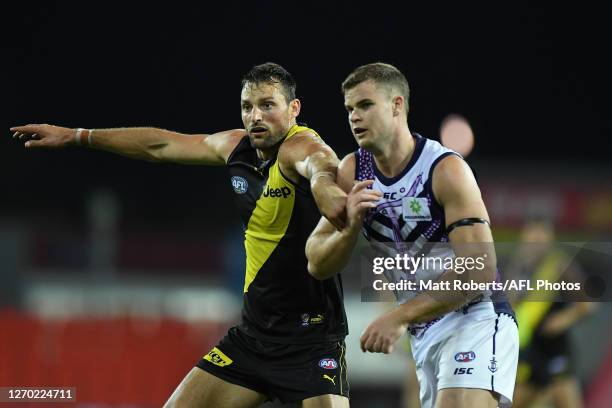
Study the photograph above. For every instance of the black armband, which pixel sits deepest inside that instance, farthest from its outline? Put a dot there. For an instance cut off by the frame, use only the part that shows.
(466, 222)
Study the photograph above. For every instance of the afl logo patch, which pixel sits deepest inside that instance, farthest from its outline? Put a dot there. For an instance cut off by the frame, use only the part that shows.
(239, 184)
(464, 357)
(328, 364)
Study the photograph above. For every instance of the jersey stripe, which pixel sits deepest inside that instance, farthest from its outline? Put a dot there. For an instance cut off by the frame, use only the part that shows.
(270, 218)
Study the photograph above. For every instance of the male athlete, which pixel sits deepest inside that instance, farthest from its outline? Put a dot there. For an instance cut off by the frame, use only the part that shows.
(290, 342)
(546, 362)
(405, 192)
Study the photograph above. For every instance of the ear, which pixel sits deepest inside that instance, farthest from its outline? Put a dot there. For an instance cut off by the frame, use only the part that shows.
(398, 105)
(294, 107)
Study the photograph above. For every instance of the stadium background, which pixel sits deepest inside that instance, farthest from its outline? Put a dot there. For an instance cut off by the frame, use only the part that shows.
(116, 275)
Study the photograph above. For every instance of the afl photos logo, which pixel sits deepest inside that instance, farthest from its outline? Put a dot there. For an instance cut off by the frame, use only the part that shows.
(240, 184)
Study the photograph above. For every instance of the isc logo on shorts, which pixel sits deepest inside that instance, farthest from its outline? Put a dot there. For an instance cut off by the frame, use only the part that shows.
(328, 364)
(464, 357)
(217, 357)
(463, 370)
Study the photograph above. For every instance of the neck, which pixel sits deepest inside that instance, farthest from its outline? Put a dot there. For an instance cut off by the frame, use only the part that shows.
(268, 153)
(393, 157)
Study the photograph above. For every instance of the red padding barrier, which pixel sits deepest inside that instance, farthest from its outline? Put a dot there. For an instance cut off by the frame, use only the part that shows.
(111, 361)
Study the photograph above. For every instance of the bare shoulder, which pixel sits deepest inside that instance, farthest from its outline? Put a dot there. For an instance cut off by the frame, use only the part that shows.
(232, 136)
(300, 146)
(346, 172)
(304, 140)
(451, 169)
(307, 134)
(453, 177)
(225, 142)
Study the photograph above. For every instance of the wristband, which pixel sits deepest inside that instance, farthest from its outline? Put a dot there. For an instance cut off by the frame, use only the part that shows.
(83, 137)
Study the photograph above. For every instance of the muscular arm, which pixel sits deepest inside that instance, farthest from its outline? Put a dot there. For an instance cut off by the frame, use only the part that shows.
(144, 143)
(308, 156)
(328, 249)
(456, 190)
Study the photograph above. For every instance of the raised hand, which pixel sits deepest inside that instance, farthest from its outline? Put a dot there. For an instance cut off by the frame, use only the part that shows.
(360, 199)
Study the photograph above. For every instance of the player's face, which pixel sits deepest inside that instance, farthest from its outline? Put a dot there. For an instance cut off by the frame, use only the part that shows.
(266, 115)
(370, 114)
(537, 238)
(537, 232)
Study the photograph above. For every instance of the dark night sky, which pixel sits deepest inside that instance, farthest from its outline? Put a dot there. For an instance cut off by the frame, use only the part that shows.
(533, 81)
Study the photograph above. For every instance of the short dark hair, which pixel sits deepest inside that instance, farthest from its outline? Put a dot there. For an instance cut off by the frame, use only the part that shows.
(272, 73)
(381, 73)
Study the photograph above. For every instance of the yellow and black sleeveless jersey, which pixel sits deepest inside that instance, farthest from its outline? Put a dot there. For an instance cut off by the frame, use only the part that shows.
(282, 302)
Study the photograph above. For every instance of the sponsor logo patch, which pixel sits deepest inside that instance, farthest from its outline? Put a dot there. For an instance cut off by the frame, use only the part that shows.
(328, 364)
(217, 357)
(283, 192)
(316, 319)
(306, 319)
(463, 370)
(416, 209)
(332, 379)
(464, 357)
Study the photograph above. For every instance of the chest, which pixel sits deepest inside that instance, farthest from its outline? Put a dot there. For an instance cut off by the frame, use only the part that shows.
(408, 199)
(263, 196)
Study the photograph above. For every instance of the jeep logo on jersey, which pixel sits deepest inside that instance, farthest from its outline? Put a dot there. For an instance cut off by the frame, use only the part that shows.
(239, 184)
(328, 364)
(277, 192)
(464, 357)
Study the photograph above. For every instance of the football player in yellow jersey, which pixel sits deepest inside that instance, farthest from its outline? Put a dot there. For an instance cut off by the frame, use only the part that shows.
(290, 342)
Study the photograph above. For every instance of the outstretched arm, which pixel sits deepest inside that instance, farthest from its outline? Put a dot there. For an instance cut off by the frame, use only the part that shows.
(144, 143)
(456, 190)
(329, 249)
(562, 320)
